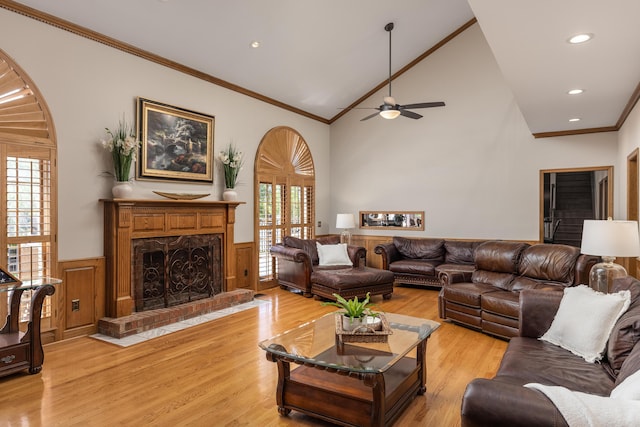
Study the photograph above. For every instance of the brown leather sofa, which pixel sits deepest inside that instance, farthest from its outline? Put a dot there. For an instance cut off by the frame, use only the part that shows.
(422, 261)
(489, 299)
(503, 401)
(298, 258)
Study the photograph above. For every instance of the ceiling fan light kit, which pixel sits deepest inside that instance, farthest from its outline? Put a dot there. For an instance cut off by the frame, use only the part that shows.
(390, 109)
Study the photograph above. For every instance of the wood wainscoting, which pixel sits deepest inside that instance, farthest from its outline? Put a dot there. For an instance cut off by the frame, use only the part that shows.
(81, 296)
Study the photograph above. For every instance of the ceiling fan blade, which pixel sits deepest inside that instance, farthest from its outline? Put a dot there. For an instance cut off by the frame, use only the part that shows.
(410, 114)
(423, 105)
(369, 117)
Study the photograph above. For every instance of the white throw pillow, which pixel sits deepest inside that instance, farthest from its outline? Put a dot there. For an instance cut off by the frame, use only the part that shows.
(333, 254)
(628, 389)
(585, 319)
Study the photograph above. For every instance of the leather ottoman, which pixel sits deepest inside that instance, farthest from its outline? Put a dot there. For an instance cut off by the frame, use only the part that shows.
(352, 282)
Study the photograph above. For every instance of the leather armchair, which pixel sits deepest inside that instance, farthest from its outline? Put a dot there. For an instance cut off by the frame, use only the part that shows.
(298, 258)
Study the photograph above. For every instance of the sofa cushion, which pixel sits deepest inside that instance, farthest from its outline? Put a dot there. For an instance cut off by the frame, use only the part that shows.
(466, 293)
(496, 279)
(414, 266)
(585, 320)
(626, 332)
(459, 251)
(504, 303)
(498, 256)
(333, 254)
(534, 361)
(522, 282)
(549, 262)
(307, 245)
(428, 249)
(630, 366)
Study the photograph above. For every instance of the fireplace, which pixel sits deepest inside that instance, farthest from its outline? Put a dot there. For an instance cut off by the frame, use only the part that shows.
(182, 251)
(173, 270)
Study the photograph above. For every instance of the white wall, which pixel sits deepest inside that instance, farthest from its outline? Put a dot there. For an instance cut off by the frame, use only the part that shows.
(89, 86)
(472, 166)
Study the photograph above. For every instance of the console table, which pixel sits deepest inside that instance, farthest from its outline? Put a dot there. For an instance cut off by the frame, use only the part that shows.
(23, 350)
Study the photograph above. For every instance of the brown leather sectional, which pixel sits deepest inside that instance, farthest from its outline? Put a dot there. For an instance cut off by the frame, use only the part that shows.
(422, 261)
(488, 300)
(503, 401)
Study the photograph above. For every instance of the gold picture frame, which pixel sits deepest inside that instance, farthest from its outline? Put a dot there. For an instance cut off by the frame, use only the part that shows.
(176, 144)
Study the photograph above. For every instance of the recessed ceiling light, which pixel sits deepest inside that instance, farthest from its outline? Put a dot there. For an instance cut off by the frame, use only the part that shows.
(575, 119)
(580, 38)
(575, 91)
(255, 44)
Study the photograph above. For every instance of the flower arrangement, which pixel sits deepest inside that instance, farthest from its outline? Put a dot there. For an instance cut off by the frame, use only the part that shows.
(123, 145)
(232, 161)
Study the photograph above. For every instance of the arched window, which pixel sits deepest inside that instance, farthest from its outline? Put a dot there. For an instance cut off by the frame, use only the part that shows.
(28, 226)
(284, 192)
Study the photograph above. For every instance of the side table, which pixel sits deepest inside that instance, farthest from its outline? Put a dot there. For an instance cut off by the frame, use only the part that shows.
(23, 350)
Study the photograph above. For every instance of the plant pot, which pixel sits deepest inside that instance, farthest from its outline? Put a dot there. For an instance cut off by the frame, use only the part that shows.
(122, 190)
(363, 324)
(229, 194)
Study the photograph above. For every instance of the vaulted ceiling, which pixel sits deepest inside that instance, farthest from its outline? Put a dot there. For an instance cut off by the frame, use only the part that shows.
(318, 56)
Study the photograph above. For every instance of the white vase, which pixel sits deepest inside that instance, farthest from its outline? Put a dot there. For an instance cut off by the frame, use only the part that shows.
(122, 190)
(229, 194)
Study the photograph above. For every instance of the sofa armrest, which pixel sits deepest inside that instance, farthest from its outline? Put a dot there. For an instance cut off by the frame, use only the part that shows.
(358, 255)
(389, 254)
(449, 277)
(497, 403)
(290, 254)
(537, 310)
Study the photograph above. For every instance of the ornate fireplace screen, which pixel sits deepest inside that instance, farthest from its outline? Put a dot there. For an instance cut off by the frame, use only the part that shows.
(169, 271)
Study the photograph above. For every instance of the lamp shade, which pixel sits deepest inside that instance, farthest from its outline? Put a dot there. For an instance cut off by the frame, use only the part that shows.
(610, 238)
(345, 221)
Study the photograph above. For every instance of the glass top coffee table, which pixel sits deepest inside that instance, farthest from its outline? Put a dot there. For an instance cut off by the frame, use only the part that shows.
(350, 383)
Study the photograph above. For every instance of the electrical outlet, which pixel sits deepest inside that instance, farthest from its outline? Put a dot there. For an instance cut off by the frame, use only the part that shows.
(319, 224)
(75, 305)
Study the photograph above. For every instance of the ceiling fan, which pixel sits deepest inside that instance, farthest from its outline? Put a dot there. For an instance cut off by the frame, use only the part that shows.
(390, 109)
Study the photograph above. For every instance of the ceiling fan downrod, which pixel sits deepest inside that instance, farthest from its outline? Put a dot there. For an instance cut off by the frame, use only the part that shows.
(388, 28)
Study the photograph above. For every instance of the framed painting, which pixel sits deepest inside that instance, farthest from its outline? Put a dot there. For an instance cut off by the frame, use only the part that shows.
(7, 278)
(176, 144)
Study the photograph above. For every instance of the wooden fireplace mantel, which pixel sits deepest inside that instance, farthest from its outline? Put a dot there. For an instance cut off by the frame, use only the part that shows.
(128, 219)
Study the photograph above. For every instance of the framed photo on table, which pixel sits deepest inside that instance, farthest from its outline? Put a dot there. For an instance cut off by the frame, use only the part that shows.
(7, 278)
(176, 144)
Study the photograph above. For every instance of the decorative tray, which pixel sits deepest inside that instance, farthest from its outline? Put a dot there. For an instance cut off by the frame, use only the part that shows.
(181, 196)
(364, 333)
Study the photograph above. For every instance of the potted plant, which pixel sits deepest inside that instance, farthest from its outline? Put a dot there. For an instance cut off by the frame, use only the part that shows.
(123, 146)
(356, 313)
(232, 161)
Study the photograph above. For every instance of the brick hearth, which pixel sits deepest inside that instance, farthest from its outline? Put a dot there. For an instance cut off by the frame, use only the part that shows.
(142, 321)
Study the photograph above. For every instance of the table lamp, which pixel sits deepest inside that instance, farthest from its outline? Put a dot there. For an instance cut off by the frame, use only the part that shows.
(345, 221)
(609, 239)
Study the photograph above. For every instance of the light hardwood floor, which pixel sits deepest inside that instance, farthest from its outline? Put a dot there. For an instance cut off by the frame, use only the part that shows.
(215, 374)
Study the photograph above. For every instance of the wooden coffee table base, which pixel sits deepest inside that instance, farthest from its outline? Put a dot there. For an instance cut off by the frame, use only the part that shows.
(350, 399)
